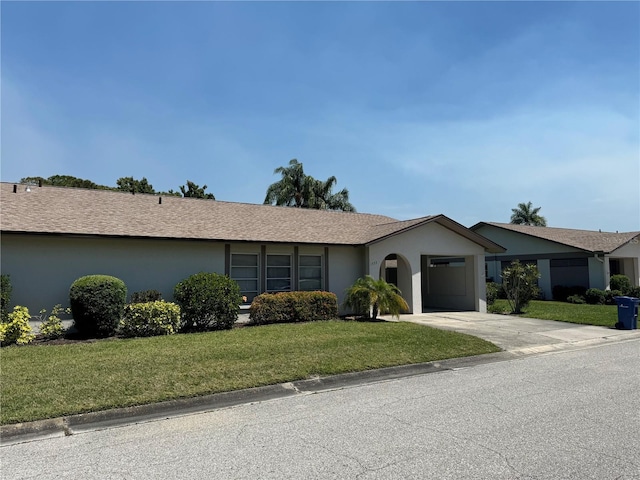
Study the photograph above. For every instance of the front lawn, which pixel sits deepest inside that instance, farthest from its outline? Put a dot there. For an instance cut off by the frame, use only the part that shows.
(601, 315)
(47, 381)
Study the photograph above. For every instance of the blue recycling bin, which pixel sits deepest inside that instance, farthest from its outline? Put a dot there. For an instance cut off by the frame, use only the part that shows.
(627, 312)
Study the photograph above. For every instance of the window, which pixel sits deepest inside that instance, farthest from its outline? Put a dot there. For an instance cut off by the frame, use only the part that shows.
(310, 272)
(278, 273)
(244, 270)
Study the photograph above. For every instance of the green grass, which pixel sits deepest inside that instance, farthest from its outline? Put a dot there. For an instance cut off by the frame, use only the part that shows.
(602, 315)
(47, 381)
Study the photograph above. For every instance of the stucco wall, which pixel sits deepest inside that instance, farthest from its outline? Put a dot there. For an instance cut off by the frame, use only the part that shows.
(42, 268)
(346, 265)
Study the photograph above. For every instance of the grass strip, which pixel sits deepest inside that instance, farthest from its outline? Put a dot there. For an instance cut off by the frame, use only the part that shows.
(47, 381)
(601, 315)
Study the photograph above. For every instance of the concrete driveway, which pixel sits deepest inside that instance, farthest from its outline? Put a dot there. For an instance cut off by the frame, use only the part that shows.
(520, 335)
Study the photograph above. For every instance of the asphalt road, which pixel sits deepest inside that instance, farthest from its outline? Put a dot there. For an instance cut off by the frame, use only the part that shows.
(565, 415)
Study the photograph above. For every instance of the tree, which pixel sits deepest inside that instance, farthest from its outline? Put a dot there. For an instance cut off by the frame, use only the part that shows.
(296, 189)
(322, 197)
(129, 184)
(520, 283)
(292, 190)
(525, 214)
(193, 190)
(64, 181)
(377, 296)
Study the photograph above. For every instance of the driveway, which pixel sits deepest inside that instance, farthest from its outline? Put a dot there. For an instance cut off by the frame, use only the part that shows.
(520, 335)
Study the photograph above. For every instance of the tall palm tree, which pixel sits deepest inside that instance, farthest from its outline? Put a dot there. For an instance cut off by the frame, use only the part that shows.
(324, 199)
(525, 214)
(375, 295)
(292, 190)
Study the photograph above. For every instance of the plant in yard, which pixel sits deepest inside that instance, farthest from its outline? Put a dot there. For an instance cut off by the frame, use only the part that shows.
(149, 319)
(51, 326)
(97, 304)
(5, 296)
(377, 296)
(520, 283)
(286, 307)
(577, 299)
(595, 296)
(492, 292)
(146, 296)
(17, 328)
(208, 301)
(621, 283)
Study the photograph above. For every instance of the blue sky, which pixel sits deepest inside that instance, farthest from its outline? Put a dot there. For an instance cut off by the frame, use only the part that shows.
(460, 108)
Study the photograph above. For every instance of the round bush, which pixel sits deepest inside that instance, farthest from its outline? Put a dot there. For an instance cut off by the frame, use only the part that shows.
(97, 304)
(595, 296)
(208, 301)
(621, 283)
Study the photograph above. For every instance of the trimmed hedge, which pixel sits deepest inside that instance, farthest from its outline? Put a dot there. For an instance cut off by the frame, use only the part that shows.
(97, 304)
(150, 319)
(291, 307)
(621, 283)
(208, 301)
(5, 296)
(146, 296)
(595, 296)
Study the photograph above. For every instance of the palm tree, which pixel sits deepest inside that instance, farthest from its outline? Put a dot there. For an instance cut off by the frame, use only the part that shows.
(292, 190)
(525, 214)
(324, 199)
(377, 296)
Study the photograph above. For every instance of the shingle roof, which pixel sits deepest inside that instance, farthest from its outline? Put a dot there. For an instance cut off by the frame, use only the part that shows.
(78, 211)
(588, 240)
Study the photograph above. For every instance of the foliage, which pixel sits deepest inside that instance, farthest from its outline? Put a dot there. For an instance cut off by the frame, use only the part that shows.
(193, 190)
(621, 283)
(609, 296)
(97, 304)
(149, 319)
(122, 372)
(146, 296)
(577, 299)
(634, 292)
(595, 296)
(378, 295)
(296, 189)
(51, 325)
(16, 330)
(5, 296)
(525, 214)
(208, 301)
(520, 282)
(130, 184)
(64, 181)
(562, 292)
(492, 292)
(289, 307)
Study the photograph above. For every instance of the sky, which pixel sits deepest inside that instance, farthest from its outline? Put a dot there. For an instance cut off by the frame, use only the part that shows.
(458, 108)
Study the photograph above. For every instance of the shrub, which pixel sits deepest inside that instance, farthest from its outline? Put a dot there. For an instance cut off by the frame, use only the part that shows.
(595, 296)
(635, 292)
(520, 282)
(208, 301)
(290, 307)
(492, 292)
(5, 297)
(97, 304)
(150, 318)
(609, 296)
(560, 293)
(376, 296)
(621, 283)
(17, 328)
(51, 326)
(146, 296)
(577, 299)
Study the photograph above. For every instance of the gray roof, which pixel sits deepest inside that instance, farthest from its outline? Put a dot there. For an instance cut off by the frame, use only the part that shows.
(588, 240)
(76, 211)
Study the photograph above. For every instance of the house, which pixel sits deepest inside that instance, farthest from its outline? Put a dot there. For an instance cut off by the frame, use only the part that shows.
(51, 236)
(564, 256)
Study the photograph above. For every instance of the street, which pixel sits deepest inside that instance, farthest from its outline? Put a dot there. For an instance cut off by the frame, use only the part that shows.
(566, 415)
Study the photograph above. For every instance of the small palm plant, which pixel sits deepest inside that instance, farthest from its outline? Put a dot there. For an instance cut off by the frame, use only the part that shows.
(376, 296)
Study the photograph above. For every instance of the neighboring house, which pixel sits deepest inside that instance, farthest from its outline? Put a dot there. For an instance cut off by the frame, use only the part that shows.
(51, 236)
(564, 256)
